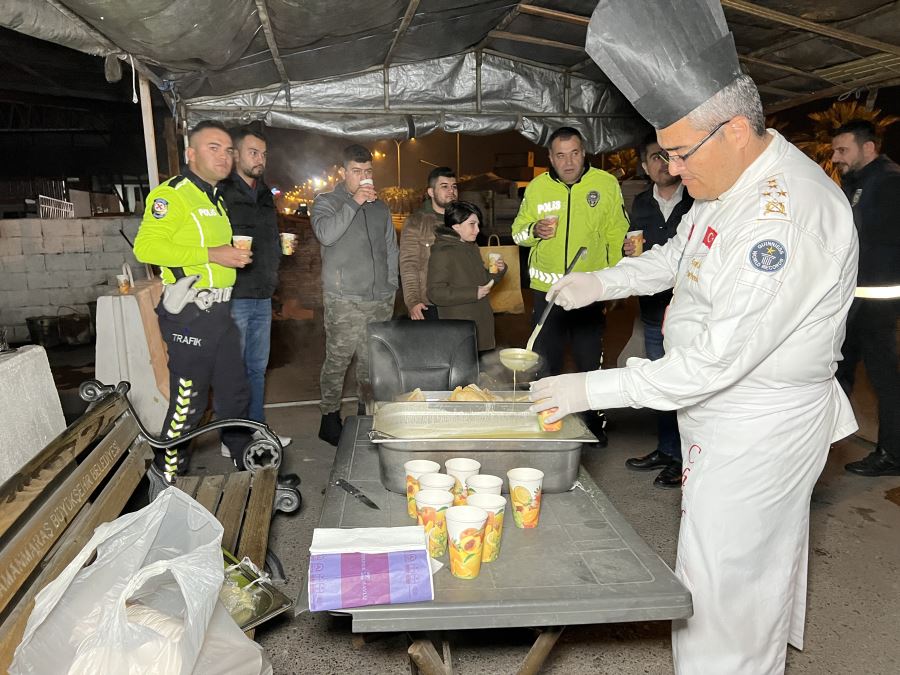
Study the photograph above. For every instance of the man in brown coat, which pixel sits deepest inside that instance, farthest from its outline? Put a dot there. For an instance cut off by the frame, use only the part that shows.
(416, 240)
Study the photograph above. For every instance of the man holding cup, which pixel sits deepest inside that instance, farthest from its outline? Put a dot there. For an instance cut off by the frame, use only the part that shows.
(655, 215)
(254, 222)
(359, 278)
(570, 206)
(186, 231)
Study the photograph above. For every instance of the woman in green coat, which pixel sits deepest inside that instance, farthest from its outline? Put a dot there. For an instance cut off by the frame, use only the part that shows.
(458, 282)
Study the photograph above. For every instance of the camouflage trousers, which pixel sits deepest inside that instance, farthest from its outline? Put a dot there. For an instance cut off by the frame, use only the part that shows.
(345, 335)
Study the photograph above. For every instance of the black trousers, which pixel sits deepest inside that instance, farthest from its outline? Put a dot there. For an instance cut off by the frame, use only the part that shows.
(204, 351)
(872, 338)
(582, 328)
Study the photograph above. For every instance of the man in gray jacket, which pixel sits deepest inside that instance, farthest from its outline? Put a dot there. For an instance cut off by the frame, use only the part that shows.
(359, 278)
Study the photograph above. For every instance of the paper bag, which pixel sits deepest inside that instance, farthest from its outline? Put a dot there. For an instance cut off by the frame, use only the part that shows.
(368, 566)
(505, 296)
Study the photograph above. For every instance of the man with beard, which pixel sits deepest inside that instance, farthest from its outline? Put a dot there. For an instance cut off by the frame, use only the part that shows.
(185, 230)
(871, 182)
(657, 213)
(417, 238)
(251, 210)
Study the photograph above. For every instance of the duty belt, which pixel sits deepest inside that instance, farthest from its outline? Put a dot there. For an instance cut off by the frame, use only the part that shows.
(176, 296)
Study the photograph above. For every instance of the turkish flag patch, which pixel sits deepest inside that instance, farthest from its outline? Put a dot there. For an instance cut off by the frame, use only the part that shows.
(709, 237)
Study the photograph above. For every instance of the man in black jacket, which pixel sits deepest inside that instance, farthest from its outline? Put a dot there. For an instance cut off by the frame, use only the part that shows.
(657, 212)
(871, 182)
(251, 209)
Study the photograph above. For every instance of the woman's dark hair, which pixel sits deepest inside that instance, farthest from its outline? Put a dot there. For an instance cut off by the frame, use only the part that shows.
(458, 212)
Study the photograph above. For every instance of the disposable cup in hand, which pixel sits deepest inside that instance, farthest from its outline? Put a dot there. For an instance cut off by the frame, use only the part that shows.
(465, 539)
(493, 259)
(431, 507)
(525, 495)
(242, 242)
(637, 236)
(436, 481)
(415, 468)
(483, 483)
(495, 505)
(553, 221)
(461, 468)
(367, 181)
(124, 283)
(287, 242)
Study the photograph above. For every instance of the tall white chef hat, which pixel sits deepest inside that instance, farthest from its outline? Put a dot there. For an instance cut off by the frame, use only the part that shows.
(667, 58)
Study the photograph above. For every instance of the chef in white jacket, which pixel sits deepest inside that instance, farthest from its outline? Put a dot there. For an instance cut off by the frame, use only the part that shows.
(763, 269)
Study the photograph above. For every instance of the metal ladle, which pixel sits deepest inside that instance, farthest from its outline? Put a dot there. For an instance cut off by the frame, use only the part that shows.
(518, 359)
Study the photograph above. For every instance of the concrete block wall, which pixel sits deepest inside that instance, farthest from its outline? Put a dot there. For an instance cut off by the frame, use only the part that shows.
(47, 264)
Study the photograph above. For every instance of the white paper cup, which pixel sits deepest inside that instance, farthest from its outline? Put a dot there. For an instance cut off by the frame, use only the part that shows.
(638, 236)
(465, 539)
(287, 242)
(436, 481)
(368, 181)
(525, 495)
(461, 468)
(415, 468)
(554, 221)
(493, 259)
(483, 483)
(431, 507)
(495, 505)
(124, 283)
(242, 242)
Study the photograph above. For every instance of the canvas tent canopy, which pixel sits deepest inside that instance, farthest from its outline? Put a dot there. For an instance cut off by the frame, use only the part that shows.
(404, 68)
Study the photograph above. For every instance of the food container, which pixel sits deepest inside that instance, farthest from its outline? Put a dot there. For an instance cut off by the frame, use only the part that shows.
(502, 435)
(263, 601)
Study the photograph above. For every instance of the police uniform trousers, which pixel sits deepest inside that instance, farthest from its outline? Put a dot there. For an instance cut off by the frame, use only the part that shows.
(204, 351)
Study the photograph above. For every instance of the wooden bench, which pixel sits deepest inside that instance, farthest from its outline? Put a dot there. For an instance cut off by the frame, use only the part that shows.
(86, 476)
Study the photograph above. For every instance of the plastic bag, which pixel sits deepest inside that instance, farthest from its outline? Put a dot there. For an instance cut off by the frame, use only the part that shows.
(142, 606)
(227, 650)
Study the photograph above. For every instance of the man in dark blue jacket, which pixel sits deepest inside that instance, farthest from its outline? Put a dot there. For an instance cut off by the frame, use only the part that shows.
(251, 210)
(871, 182)
(657, 212)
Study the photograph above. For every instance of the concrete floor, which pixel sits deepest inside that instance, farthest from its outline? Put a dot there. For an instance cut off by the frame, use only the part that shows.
(854, 580)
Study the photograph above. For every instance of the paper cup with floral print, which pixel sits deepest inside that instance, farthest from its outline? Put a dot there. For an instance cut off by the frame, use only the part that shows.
(432, 506)
(465, 540)
(525, 495)
(415, 468)
(495, 505)
(436, 481)
(484, 484)
(461, 468)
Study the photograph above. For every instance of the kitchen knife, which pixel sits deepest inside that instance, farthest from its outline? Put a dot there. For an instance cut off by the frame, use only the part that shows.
(356, 492)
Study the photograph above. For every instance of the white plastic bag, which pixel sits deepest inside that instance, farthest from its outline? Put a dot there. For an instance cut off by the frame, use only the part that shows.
(227, 650)
(142, 606)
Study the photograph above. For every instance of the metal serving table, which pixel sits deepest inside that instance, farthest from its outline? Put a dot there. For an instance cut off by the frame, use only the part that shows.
(582, 564)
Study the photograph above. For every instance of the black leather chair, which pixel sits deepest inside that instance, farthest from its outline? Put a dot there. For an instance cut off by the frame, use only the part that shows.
(430, 355)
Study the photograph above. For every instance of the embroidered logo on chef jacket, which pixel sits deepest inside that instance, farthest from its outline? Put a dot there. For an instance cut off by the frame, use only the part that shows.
(768, 255)
(593, 198)
(693, 272)
(709, 237)
(856, 195)
(160, 208)
(773, 199)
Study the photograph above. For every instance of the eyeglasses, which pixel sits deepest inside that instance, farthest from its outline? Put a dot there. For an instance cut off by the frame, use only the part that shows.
(681, 159)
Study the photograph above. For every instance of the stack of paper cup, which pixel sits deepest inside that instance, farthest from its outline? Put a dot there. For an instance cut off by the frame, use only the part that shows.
(484, 484)
(465, 530)
(461, 468)
(495, 505)
(431, 507)
(415, 468)
(436, 481)
(525, 495)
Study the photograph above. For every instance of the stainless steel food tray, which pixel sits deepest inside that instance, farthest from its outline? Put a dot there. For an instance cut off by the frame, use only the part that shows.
(502, 435)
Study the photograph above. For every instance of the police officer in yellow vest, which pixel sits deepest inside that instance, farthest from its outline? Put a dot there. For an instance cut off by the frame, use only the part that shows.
(185, 230)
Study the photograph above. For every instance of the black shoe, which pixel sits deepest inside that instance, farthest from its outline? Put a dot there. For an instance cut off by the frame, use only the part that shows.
(330, 428)
(596, 423)
(655, 460)
(878, 463)
(670, 477)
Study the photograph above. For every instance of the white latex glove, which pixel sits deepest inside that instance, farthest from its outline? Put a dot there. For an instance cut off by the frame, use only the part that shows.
(568, 393)
(575, 290)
